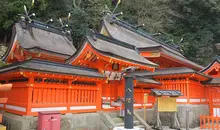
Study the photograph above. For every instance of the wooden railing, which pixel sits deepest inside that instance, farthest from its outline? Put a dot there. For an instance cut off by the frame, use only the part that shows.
(28, 99)
(209, 122)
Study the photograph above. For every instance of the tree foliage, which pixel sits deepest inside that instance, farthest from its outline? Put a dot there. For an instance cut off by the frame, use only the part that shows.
(197, 21)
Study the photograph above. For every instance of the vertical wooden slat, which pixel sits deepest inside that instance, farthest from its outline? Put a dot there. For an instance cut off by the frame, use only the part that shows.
(65, 96)
(76, 96)
(83, 96)
(35, 97)
(40, 92)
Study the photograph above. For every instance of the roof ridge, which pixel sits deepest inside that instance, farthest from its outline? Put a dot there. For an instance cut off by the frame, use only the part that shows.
(47, 27)
(141, 32)
(95, 35)
(115, 41)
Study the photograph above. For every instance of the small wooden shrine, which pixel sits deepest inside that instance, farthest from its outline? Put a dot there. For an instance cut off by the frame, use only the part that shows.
(213, 86)
(48, 86)
(110, 57)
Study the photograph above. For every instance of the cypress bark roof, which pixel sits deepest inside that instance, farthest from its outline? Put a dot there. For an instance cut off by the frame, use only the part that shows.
(52, 67)
(39, 37)
(170, 71)
(116, 49)
(171, 93)
(213, 81)
(129, 34)
(147, 81)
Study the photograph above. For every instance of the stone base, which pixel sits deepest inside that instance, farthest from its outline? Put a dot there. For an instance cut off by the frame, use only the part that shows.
(84, 121)
(167, 118)
(122, 128)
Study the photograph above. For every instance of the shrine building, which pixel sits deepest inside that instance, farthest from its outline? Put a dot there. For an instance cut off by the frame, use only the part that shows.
(48, 73)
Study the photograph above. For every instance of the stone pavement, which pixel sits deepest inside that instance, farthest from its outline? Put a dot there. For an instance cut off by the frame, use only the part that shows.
(167, 128)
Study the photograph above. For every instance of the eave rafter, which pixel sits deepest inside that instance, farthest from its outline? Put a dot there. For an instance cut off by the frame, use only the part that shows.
(147, 85)
(32, 74)
(181, 76)
(27, 74)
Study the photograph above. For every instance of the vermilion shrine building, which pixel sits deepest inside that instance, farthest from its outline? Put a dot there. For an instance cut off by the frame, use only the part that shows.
(49, 74)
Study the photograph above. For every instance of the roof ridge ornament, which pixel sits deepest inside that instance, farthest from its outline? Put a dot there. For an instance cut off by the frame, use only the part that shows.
(139, 26)
(26, 17)
(92, 34)
(65, 24)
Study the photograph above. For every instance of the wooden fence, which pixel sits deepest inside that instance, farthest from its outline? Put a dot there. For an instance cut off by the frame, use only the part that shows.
(209, 122)
(28, 100)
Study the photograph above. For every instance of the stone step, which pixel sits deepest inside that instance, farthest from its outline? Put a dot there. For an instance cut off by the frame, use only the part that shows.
(118, 120)
(136, 123)
(113, 114)
(140, 126)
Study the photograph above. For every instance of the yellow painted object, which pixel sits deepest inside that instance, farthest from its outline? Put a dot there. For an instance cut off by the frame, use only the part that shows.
(2, 127)
(167, 104)
(145, 102)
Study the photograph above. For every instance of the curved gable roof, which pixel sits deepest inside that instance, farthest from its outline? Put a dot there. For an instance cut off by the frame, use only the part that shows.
(122, 31)
(114, 48)
(210, 66)
(38, 37)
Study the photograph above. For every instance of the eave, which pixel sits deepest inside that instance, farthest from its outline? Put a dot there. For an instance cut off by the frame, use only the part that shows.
(160, 51)
(100, 55)
(215, 64)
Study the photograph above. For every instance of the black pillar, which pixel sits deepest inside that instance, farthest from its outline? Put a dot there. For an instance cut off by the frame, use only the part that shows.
(129, 101)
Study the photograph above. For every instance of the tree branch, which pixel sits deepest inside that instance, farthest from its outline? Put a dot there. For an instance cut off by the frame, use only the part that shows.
(74, 3)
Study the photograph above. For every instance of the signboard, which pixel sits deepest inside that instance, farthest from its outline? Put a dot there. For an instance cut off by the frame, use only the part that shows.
(113, 75)
(167, 104)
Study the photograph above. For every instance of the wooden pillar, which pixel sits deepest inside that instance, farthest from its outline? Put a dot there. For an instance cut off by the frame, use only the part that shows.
(210, 101)
(99, 96)
(29, 94)
(69, 94)
(188, 91)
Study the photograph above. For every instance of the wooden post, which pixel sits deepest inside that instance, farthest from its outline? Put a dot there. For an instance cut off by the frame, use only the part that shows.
(129, 102)
(210, 101)
(99, 96)
(188, 92)
(68, 94)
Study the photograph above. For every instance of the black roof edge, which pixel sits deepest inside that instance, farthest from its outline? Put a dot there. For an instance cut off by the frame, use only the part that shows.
(110, 39)
(207, 67)
(208, 82)
(50, 63)
(46, 27)
(193, 71)
(79, 49)
(142, 33)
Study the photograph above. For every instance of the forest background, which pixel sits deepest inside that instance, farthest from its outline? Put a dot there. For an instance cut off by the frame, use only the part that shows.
(196, 21)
